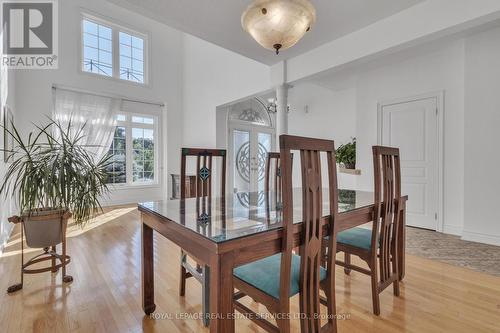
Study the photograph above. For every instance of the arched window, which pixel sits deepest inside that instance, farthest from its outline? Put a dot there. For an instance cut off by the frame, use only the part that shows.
(252, 111)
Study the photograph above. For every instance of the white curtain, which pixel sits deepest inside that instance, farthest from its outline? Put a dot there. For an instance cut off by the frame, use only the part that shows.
(97, 112)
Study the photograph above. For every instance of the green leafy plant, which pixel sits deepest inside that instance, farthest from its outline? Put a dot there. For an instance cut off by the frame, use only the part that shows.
(346, 154)
(52, 168)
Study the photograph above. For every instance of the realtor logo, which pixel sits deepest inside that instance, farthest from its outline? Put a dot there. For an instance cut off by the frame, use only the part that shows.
(29, 34)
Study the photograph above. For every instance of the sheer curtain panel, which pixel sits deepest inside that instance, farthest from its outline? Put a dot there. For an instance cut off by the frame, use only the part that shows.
(97, 112)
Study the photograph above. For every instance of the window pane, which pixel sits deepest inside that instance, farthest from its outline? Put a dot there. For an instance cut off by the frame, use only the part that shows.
(138, 66)
(125, 62)
(125, 38)
(149, 166)
(105, 57)
(119, 143)
(125, 50)
(131, 58)
(105, 32)
(138, 154)
(121, 117)
(105, 44)
(148, 134)
(143, 159)
(105, 69)
(148, 155)
(138, 165)
(97, 48)
(137, 43)
(90, 40)
(137, 54)
(117, 167)
(89, 27)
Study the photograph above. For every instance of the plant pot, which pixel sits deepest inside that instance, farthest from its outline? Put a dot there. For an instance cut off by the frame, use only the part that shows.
(44, 228)
(350, 165)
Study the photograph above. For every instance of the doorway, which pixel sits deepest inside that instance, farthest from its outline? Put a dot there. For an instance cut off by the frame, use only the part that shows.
(251, 136)
(414, 125)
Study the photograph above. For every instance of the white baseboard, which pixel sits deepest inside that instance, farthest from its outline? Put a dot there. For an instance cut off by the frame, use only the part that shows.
(481, 238)
(452, 230)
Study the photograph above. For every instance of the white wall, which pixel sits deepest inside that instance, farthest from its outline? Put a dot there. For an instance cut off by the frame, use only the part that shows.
(34, 95)
(214, 76)
(7, 97)
(330, 115)
(7, 204)
(482, 137)
(438, 70)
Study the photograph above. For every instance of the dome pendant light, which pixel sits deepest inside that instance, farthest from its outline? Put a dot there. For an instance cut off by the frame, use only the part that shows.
(278, 24)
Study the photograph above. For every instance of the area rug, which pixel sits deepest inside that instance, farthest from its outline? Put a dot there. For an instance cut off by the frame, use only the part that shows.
(453, 250)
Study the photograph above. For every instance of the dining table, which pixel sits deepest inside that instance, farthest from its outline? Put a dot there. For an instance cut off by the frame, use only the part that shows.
(232, 230)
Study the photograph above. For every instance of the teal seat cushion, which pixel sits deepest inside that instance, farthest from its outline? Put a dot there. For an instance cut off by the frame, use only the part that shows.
(357, 237)
(264, 274)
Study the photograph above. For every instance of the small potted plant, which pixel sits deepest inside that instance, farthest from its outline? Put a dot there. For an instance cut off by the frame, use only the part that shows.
(53, 176)
(346, 154)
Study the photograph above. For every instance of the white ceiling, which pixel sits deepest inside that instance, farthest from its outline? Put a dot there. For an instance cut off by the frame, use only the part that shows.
(218, 21)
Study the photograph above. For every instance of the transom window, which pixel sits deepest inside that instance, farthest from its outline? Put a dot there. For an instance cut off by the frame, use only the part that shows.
(97, 48)
(134, 150)
(112, 51)
(131, 58)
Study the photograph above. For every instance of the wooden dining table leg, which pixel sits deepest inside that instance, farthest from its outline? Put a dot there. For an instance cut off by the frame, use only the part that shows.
(147, 270)
(221, 293)
(402, 242)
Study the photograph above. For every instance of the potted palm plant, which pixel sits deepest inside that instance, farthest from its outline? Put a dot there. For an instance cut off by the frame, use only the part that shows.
(53, 176)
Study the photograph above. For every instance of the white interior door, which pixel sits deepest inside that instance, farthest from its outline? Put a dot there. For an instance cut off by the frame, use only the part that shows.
(412, 126)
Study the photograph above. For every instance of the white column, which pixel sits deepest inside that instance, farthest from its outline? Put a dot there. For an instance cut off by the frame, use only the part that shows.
(281, 112)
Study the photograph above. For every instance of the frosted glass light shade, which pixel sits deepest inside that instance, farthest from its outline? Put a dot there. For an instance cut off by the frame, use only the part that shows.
(278, 24)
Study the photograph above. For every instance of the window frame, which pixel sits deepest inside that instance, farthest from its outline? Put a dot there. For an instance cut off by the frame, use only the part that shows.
(129, 150)
(116, 28)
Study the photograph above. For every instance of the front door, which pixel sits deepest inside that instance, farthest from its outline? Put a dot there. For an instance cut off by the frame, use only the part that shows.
(412, 126)
(248, 148)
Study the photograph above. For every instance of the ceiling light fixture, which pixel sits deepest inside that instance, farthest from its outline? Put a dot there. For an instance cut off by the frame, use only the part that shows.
(278, 24)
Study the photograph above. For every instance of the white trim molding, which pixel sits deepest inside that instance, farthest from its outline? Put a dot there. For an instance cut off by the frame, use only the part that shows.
(452, 230)
(481, 238)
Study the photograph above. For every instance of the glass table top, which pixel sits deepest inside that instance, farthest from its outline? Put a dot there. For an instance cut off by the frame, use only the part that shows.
(243, 214)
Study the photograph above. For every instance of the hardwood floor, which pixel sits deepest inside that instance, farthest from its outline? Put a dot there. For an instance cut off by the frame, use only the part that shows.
(105, 295)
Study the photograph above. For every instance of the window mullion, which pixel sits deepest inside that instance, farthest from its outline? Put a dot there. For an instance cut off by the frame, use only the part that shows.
(129, 154)
(116, 54)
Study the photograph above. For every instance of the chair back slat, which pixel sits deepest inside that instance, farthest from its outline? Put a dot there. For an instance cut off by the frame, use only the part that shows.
(387, 175)
(312, 212)
(204, 170)
(273, 168)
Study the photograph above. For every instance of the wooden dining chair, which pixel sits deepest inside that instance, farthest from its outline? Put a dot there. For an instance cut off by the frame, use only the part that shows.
(273, 166)
(379, 244)
(271, 281)
(204, 175)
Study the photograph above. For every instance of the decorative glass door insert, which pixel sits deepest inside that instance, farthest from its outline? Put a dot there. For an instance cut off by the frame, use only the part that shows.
(249, 148)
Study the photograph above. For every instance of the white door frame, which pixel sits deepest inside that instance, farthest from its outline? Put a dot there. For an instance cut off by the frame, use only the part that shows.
(439, 96)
